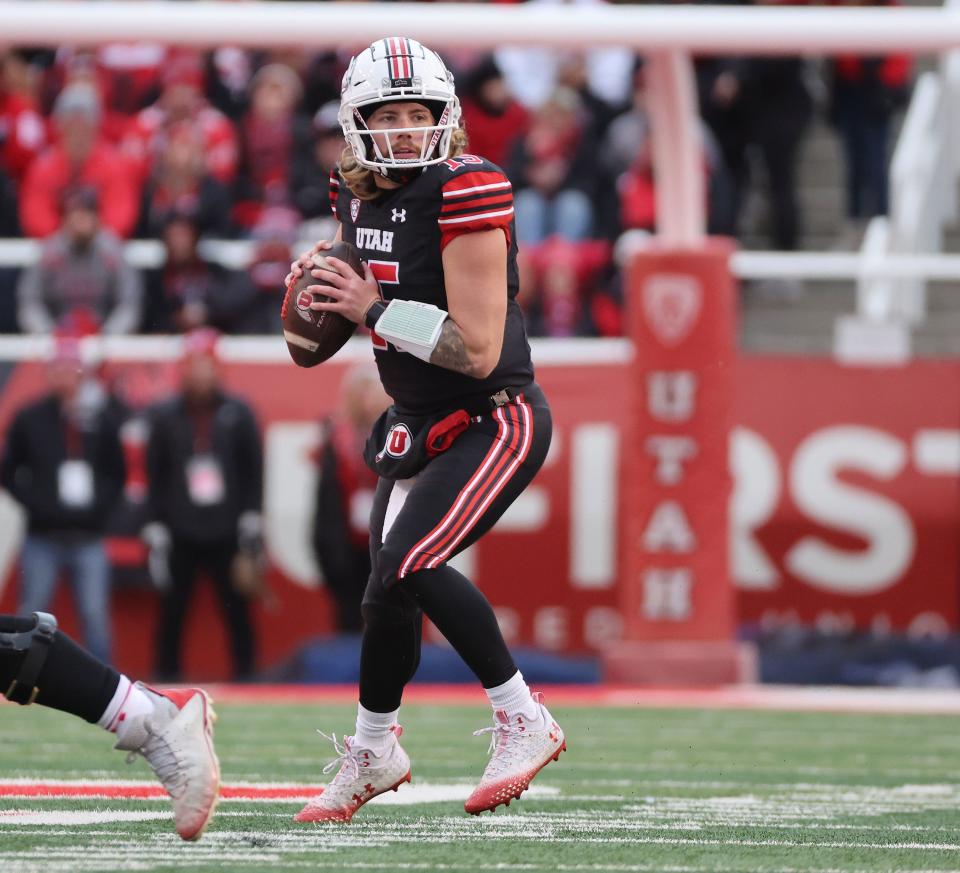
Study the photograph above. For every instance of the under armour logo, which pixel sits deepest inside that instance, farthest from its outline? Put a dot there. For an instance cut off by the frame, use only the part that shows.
(399, 215)
(368, 789)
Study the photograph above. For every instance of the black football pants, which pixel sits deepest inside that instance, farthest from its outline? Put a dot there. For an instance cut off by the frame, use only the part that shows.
(417, 525)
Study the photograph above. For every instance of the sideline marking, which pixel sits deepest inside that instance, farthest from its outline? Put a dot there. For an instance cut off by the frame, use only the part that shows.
(920, 701)
(280, 792)
(775, 698)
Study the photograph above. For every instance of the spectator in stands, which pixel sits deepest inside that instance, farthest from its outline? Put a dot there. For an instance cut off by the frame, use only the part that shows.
(865, 94)
(273, 235)
(190, 291)
(626, 157)
(23, 133)
(761, 105)
(341, 521)
(562, 282)
(272, 133)
(310, 172)
(533, 74)
(80, 156)
(181, 183)
(182, 101)
(125, 75)
(63, 462)
(601, 108)
(205, 484)
(492, 117)
(554, 173)
(81, 272)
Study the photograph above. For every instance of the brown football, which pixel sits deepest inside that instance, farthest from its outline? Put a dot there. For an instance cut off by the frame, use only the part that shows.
(313, 336)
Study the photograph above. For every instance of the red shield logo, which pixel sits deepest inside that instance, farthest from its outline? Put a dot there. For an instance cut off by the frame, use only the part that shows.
(671, 306)
(304, 299)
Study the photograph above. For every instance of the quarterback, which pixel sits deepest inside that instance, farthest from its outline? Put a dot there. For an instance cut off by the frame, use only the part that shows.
(468, 429)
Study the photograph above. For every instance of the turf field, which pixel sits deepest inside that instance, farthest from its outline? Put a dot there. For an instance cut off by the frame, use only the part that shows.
(640, 789)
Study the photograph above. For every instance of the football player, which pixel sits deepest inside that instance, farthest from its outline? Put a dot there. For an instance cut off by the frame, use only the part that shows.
(173, 730)
(469, 427)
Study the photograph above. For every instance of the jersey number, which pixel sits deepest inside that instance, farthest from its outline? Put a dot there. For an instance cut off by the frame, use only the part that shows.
(460, 161)
(386, 273)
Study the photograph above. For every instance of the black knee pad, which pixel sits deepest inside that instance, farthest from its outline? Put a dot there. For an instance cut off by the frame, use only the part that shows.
(30, 638)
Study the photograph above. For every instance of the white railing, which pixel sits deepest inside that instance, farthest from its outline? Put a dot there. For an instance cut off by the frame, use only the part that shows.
(147, 254)
(924, 173)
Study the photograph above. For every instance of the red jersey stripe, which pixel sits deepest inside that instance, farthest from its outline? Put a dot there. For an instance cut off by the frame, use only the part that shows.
(498, 486)
(482, 218)
(493, 485)
(472, 179)
(484, 491)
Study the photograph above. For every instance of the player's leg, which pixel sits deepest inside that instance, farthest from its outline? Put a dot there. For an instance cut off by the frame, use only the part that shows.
(372, 760)
(454, 501)
(172, 730)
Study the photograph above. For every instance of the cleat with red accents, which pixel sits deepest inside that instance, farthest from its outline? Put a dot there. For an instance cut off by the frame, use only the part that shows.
(362, 775)
(519, 750)
(176, 739)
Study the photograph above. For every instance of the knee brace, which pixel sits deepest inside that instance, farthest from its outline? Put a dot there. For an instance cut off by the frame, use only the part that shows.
(32, 636)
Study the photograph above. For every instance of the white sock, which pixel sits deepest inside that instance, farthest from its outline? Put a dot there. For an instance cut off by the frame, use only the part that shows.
(514, 698)
(373, 729)
(127, 701)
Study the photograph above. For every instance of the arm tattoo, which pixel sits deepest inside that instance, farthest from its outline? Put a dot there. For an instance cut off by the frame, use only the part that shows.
(450, 351)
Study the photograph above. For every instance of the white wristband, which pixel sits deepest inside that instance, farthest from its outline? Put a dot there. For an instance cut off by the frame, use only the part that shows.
(413, 327)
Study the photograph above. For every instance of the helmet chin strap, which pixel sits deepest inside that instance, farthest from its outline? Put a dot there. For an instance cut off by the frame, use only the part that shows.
(398, 174)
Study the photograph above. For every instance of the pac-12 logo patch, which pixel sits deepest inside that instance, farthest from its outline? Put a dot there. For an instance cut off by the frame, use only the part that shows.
(304, 299)
(399, 440)
(671, 305)
(354, 209)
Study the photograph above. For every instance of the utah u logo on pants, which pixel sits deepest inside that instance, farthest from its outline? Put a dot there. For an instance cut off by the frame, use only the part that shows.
(398, 442)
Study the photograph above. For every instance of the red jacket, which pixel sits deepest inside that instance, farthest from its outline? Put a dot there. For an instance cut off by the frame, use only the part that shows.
(146, 138)
(493, 135)
(105, 170)
(23, 134)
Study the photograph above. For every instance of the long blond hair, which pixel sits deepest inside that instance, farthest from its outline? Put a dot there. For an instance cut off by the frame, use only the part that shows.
(361, 180)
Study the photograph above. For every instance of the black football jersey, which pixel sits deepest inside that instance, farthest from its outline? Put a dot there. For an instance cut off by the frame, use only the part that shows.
(401, 235)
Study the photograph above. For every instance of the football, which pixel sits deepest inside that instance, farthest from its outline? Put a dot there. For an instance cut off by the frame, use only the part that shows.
(313, 336)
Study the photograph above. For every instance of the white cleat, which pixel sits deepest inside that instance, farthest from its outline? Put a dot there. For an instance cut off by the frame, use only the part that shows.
(519, 750)
(177, 741)
(361, 777)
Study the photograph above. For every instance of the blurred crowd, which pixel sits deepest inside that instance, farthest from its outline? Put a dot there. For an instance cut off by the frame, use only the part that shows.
(98, 146)
(160, 487)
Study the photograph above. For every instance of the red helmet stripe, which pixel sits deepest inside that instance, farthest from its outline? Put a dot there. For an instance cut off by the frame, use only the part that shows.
(392, 55)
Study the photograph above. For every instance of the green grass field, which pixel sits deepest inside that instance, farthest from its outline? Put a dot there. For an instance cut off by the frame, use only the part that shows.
(638, 790)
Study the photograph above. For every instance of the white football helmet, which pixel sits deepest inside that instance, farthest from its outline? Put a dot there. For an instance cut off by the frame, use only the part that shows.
(391, 70)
